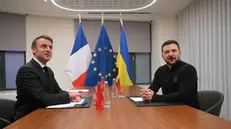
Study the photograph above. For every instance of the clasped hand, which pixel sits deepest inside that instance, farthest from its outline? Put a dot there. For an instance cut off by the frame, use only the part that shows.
(146, 94)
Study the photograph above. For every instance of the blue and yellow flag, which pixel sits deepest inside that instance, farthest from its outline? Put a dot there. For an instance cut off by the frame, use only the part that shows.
(102, 62)
(123, 61)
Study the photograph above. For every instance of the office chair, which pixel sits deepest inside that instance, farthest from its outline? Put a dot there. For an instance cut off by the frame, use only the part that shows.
(6, 112)
(211, 101)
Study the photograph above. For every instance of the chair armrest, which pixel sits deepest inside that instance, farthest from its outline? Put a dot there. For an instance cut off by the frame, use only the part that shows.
(5, 121)
(215, 105)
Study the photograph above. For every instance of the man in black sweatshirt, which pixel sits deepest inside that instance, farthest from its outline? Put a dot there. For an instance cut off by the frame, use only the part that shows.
(177, 79)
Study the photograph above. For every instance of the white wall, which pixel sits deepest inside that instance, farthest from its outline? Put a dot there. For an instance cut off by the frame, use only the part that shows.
(62, 32)
(163, 28)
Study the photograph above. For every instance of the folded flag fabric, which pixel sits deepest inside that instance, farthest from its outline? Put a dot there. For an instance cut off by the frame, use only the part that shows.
(102, 62)
(79, 59)
(123, 61)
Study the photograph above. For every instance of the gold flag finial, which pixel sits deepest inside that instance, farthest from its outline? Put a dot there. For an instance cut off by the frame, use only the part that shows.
(102, 18)
(121, 21)
(79, 18)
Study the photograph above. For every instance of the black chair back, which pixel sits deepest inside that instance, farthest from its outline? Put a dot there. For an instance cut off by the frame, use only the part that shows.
(211, 101)
(6, 111)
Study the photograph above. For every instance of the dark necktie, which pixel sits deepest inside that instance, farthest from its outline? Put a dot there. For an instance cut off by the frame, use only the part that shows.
(46, 73)
(45, 69)
(46, 77)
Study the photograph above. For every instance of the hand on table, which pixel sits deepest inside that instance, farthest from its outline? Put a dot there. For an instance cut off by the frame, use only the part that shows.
(74, 96)
(146, 94)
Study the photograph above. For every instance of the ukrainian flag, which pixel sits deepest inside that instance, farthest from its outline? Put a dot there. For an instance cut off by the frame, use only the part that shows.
(123, 61)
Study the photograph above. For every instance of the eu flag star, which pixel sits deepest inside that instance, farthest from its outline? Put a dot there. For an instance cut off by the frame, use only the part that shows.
(93, 62)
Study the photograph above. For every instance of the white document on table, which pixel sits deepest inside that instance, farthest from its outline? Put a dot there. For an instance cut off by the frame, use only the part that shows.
(137, 99)
(79, 90)
(67, 105)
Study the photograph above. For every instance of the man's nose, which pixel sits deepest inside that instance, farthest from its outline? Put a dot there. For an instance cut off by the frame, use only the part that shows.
(170, 53)
(48, 48)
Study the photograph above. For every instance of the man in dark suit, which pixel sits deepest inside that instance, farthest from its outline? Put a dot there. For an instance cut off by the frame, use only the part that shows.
(36, 85)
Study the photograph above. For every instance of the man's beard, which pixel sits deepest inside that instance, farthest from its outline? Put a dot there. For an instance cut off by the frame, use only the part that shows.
(171, 58)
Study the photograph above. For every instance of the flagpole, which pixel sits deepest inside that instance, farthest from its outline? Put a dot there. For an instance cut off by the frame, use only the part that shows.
(121, 21)
(102, 18)
(79, 18)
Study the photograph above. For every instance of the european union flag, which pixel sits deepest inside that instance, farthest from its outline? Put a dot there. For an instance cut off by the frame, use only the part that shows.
(102, 62)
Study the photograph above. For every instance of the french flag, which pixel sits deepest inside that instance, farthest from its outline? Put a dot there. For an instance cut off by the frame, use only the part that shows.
(79, 60)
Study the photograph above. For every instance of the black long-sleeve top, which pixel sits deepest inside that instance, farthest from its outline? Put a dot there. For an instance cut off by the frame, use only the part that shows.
(179, 84)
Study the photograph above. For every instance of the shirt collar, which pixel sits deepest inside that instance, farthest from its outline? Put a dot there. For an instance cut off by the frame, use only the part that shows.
(175, 66)
(40, 63)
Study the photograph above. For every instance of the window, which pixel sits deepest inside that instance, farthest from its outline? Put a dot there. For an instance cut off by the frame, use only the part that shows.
(141, 68)
(9, 68)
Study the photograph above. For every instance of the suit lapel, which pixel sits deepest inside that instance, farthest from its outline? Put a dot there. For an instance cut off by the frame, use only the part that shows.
(41, 74)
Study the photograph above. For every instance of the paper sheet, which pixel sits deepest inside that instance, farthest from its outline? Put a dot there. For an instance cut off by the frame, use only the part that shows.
(68, 105)
(79, 90)
(137, 99)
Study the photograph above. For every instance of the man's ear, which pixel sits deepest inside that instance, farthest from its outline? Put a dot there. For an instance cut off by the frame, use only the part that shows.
(33, 50)
(162, 56)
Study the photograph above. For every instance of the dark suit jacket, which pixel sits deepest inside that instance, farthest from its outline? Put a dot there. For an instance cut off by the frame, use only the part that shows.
(36, 90)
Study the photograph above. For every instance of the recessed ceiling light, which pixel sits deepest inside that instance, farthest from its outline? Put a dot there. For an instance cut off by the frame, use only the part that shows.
(102, 10)
(45, 0)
